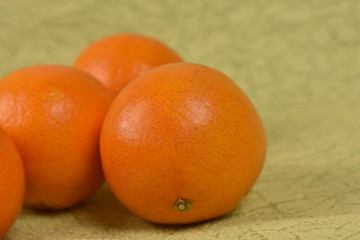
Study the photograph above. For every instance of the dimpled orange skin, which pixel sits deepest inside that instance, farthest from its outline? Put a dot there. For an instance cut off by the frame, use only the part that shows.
(12, 183)
(54, 115)
(116, 60)
(182, 131)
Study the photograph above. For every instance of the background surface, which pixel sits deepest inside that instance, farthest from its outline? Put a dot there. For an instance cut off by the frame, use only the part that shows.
(299, 62)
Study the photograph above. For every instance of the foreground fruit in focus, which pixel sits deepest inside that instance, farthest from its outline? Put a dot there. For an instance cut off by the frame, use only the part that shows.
(182, 144)
(12, 183)
(54, 115)
(118, 59)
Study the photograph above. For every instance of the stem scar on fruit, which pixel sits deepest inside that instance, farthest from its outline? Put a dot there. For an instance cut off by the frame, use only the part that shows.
(182, 205)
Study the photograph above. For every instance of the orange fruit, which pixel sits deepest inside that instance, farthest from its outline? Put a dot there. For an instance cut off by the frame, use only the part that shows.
(54, 115)
(116, 60)
(182, 144)
(12, 183)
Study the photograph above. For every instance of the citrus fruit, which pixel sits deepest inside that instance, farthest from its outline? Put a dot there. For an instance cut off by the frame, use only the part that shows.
(54, 115)
(182, 144)
(12, 183)
(116, 60)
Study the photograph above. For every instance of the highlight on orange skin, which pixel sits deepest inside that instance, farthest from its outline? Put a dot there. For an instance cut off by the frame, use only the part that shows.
(12, 183)
(54, 114)
(182, 144)
(117, 60)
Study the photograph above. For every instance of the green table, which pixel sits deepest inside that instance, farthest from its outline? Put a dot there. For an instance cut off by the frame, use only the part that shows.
(299, 62)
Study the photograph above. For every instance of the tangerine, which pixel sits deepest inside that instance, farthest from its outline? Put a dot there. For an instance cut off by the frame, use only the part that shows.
(116, 60)
(54, 114)
(12, 183)
(182, 144)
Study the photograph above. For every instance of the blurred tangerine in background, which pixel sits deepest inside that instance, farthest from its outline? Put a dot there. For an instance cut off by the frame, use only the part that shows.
(117, 60)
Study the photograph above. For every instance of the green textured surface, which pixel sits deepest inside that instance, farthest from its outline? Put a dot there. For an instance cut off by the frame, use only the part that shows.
(299, 62)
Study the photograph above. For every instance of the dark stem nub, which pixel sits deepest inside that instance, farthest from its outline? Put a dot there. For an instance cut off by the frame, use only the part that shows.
(182, 205)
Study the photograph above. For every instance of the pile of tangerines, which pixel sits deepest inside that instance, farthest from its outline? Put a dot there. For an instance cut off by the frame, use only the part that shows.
(176, 142)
